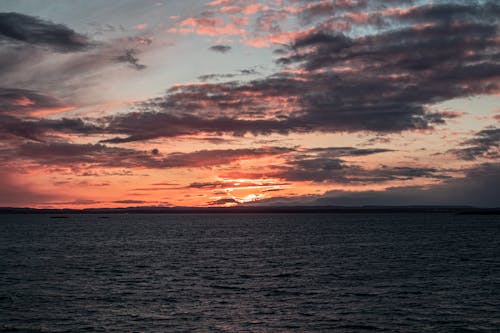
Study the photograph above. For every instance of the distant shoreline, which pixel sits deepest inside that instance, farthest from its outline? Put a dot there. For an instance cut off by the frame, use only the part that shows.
(261, 210)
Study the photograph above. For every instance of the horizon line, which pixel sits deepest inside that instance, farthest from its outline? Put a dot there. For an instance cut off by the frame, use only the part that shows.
(259, 209)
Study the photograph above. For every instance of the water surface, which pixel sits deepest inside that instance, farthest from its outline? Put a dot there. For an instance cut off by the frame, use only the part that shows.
(250, 273)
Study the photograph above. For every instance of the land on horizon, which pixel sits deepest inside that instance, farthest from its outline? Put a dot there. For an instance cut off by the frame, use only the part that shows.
(257, 210)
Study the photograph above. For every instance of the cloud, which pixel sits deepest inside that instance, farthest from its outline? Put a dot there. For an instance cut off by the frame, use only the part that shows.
(326, 165)
(207, 77)
(20, 28)
(227, 183)
(314, 10)
(257, 108)
(486, 11)
(25, 102)
(141, 26)
(43, 129)
(131, 202)
(223, 201)
(51, 59)
(165, 184)
(339, 82)
(221, 2)
(337, 171)
(130, 58)
(479, 188)
(212, 26)
(205, 158)
(345, 151)
(271, 190)
(220, 48)
(139, 126)
(334, 83)
(243, 72)
(485, 144)
(87, 156)
(330, 166)
(349, 66)
(376, 83)
(313, 165)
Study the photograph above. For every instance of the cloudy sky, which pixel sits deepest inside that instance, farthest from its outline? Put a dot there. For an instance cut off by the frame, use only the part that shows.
(264, 102)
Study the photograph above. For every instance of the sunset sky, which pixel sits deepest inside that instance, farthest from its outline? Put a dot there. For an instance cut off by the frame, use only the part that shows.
(263, 102)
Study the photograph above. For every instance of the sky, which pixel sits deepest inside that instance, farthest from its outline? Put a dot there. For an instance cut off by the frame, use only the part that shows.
(249, 102)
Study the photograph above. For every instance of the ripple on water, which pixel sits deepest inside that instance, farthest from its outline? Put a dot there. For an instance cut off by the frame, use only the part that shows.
(250, 273)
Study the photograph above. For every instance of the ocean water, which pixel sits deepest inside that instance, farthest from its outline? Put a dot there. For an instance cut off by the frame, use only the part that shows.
(250, 273)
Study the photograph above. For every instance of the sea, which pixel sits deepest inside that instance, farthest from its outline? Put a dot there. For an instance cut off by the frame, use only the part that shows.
(250, 273)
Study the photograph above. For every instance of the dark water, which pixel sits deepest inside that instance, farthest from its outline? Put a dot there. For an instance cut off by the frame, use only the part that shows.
(250, 273)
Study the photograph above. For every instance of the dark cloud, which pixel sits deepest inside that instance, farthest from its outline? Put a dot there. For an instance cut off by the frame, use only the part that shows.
(479, 188)
(454, 12)
(213, 140)
(233, 184)
(205, 158)
(152, 189)
(485, 144)
(138, 126)
(328, 165)
(376, 140)
(381, 83)
(165, 184)
(68, 154)
(87, 156)
(105, 28)
(249, 71)
(271, 190)
(220, 48)
(43, 129)
(337, 171)
(130, 57)
(24, 102)
(243, 72)
(20, 28)
(345, 151)
(207, 185)
(337, 9)
(131, 202)
(207, 77)
(223, 201)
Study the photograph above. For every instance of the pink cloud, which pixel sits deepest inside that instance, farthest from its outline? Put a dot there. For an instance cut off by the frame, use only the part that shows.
(141, 26)
(277, 38)
(252, 9)
(211, 26)
(221, 2)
